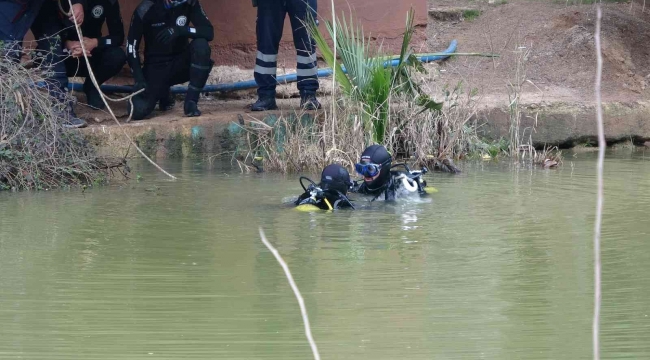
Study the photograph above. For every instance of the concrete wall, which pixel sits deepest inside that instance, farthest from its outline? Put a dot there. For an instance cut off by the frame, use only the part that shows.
(234, 22)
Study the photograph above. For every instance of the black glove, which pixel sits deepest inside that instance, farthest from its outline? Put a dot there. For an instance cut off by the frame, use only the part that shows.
(168, 35)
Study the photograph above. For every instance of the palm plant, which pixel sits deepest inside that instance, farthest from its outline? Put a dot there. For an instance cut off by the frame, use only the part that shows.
(365, 75)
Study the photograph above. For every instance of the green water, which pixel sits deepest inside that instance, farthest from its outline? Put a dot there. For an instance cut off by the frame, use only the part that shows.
(497, 265)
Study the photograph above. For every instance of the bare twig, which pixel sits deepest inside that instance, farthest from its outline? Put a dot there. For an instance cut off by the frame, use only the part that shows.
(599, 206)
(294, 287)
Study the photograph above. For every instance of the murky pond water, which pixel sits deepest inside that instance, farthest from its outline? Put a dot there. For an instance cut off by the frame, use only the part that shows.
(497, 265)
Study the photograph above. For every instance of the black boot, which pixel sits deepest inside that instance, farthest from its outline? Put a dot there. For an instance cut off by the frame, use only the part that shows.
(199, 73)
(93, 98)
(70, 119)
(264, 104)
(167, 103)
(309, 102)
(191, 109)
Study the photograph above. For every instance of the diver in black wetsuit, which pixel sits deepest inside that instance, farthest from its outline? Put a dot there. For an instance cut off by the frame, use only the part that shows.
(169, 58)
(332, 191)
(104, 52)
(379, 178)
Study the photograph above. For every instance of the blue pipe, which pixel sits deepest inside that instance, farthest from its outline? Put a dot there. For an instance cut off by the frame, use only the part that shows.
(251, 84)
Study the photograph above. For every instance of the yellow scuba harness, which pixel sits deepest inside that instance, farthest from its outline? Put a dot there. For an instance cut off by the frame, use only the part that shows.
(317, 197)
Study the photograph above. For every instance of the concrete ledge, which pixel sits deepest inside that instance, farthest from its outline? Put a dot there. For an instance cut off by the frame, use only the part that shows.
(567, 125)
(562, 124)
(161, 139)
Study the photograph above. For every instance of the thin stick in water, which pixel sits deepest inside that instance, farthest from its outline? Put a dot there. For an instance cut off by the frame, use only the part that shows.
(294, 287)
(599, 205)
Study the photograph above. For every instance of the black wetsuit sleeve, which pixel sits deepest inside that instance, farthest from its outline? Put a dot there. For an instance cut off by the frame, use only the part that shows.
(115, 26)
(133, 46)
(202, 29)
(391, 189)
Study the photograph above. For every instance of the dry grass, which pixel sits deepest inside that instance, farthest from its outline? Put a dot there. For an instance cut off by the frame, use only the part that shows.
(299, 141)
(36, 151)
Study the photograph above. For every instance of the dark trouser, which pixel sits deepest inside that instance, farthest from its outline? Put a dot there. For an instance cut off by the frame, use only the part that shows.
(193, 65)
(105, 63)
(270, 21)
(42, 18)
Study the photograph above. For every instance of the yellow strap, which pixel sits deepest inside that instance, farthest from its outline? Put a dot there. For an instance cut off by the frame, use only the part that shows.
(328, 204)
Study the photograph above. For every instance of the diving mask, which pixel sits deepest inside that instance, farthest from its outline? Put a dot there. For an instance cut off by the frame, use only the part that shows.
(368, 170)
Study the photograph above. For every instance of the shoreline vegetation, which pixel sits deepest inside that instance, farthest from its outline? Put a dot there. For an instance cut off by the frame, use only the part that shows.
(36, 151)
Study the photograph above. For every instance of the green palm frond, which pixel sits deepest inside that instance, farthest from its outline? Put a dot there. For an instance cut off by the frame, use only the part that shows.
(368, 80)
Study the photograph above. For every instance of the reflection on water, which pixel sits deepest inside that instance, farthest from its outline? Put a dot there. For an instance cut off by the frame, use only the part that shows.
(496, 265)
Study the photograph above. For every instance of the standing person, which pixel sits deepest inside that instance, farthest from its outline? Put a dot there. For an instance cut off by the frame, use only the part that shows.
(169, 57)
(270, 22)
(42, 17)
(104, 52)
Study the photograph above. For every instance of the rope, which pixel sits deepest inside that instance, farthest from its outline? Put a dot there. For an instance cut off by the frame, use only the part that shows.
(599, 206)
(294, 287)
(104, 97)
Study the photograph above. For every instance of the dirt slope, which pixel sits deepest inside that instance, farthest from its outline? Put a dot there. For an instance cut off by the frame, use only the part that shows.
(561, 62)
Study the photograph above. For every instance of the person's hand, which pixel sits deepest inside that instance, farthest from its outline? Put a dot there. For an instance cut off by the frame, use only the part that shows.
(77, 14)
(167, 36)
(74, 48)
(90, 44)
(72, 45)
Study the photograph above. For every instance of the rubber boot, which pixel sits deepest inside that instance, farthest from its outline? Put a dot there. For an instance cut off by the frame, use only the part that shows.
(167, 103)
(264, 104)
(93, 98)
(191, 109)
(308, 101)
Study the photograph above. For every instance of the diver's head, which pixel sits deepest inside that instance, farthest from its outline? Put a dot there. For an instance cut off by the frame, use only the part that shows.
(375, 167)
(335, 177)
(169, 4)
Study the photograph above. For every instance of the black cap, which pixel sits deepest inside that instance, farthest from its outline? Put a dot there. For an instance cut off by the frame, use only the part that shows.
(375, 154)
(335, 177)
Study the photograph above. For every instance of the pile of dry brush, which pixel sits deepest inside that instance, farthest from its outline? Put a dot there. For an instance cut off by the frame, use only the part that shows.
(36, 151)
